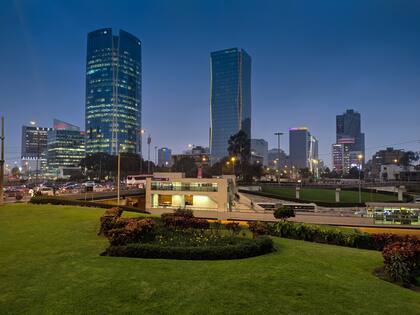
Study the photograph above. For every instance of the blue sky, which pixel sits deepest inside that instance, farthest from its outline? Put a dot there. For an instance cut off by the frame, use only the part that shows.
(311, 60)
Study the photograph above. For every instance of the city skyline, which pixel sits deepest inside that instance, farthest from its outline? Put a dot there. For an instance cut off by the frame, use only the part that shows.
(307, 92)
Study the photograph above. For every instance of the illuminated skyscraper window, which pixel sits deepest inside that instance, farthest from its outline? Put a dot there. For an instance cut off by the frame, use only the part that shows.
(113, 92)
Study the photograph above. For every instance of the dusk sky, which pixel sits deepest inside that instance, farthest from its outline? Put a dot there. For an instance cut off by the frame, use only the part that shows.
(311, 60)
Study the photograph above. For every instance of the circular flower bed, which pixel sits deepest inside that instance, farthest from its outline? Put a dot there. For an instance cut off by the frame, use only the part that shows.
(179, 235)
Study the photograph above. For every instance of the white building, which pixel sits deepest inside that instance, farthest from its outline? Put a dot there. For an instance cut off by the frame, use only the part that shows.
(173, 191)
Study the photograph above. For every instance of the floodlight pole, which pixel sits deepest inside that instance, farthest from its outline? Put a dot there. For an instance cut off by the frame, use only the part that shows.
(118, 178)
(278, 134)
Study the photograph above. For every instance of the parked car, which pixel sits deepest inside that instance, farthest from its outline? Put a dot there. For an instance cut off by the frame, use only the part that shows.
(46, 191)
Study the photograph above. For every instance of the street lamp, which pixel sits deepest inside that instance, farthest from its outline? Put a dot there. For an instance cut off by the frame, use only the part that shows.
(233, 159)
(278, 134)
(360, 157)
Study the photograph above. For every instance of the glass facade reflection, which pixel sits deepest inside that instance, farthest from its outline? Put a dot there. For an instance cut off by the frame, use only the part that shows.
(113, 92)
(65, 148)
(230, 99)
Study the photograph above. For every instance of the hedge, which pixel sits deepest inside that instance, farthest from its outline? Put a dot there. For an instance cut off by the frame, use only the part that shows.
(246, 248)
(70, 202)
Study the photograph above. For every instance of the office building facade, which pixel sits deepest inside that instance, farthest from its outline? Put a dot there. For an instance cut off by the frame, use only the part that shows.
(230, 98)
(113, 92)
(34, 148)
(303, 149)
(65, 148)
(165, 157)
(348, 126)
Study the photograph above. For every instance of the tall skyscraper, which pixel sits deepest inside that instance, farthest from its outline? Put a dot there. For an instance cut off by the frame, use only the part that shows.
(66, 148)
(113, 92)
(34, 148)
(230, 98)
(165, 157)
(348, 126)
(303, 149)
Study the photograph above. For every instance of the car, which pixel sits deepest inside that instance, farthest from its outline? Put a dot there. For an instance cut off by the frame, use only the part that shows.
(417, 199)
(46, 191)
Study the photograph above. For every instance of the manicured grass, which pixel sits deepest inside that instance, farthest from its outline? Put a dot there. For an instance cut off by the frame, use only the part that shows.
(328, 195)
(50, 264)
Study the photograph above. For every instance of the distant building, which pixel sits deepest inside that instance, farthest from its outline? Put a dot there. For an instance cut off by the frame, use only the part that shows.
(113, 92)
(34, 148)
(230, 98)
(384, 157)
(273, 158)
(348, 126)
(165, 157)
(259, 147)
(394, 172)
(303, 149)
(65, 149)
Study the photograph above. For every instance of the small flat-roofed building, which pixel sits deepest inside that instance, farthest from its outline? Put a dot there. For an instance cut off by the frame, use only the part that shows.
(165, 190)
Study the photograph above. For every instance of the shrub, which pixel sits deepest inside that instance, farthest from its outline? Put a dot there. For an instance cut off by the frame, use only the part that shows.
(258, 228)
(402, 261)
(184, 219)
(109, 219)
(324, 234)
(243, 249)
(233, 227)
(384, 239)
(135, 230)
(186, 213)
(284, 213)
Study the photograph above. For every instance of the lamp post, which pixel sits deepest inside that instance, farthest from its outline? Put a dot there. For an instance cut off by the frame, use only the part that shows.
(233, 159)
(278, 134)
(149, 141)
(142, 131)
(360, 157)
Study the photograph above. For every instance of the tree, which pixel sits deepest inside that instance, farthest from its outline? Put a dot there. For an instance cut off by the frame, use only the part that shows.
(185, 165)
(283, 213)
(239, 145)
(354, 173)
(409, 157)
(15, 172)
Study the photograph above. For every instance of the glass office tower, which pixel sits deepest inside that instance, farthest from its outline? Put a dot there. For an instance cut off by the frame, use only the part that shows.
(113, 92)
(66, 147)
(230, 99)
(348, 125)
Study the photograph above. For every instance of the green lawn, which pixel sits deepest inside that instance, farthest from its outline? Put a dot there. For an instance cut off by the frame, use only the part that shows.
(50, 264)
(328, 195)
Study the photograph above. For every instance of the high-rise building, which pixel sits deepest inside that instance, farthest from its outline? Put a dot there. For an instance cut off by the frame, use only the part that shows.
(259, 147)
(65, 148)
(303, 148)
(113, 92)
(34, 148)
(165, 157)
(230, 98)
(348, 126)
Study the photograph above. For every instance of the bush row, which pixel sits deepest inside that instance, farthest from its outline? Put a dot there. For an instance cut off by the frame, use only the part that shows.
(329, 235)
(245, 248)
(82, 203)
